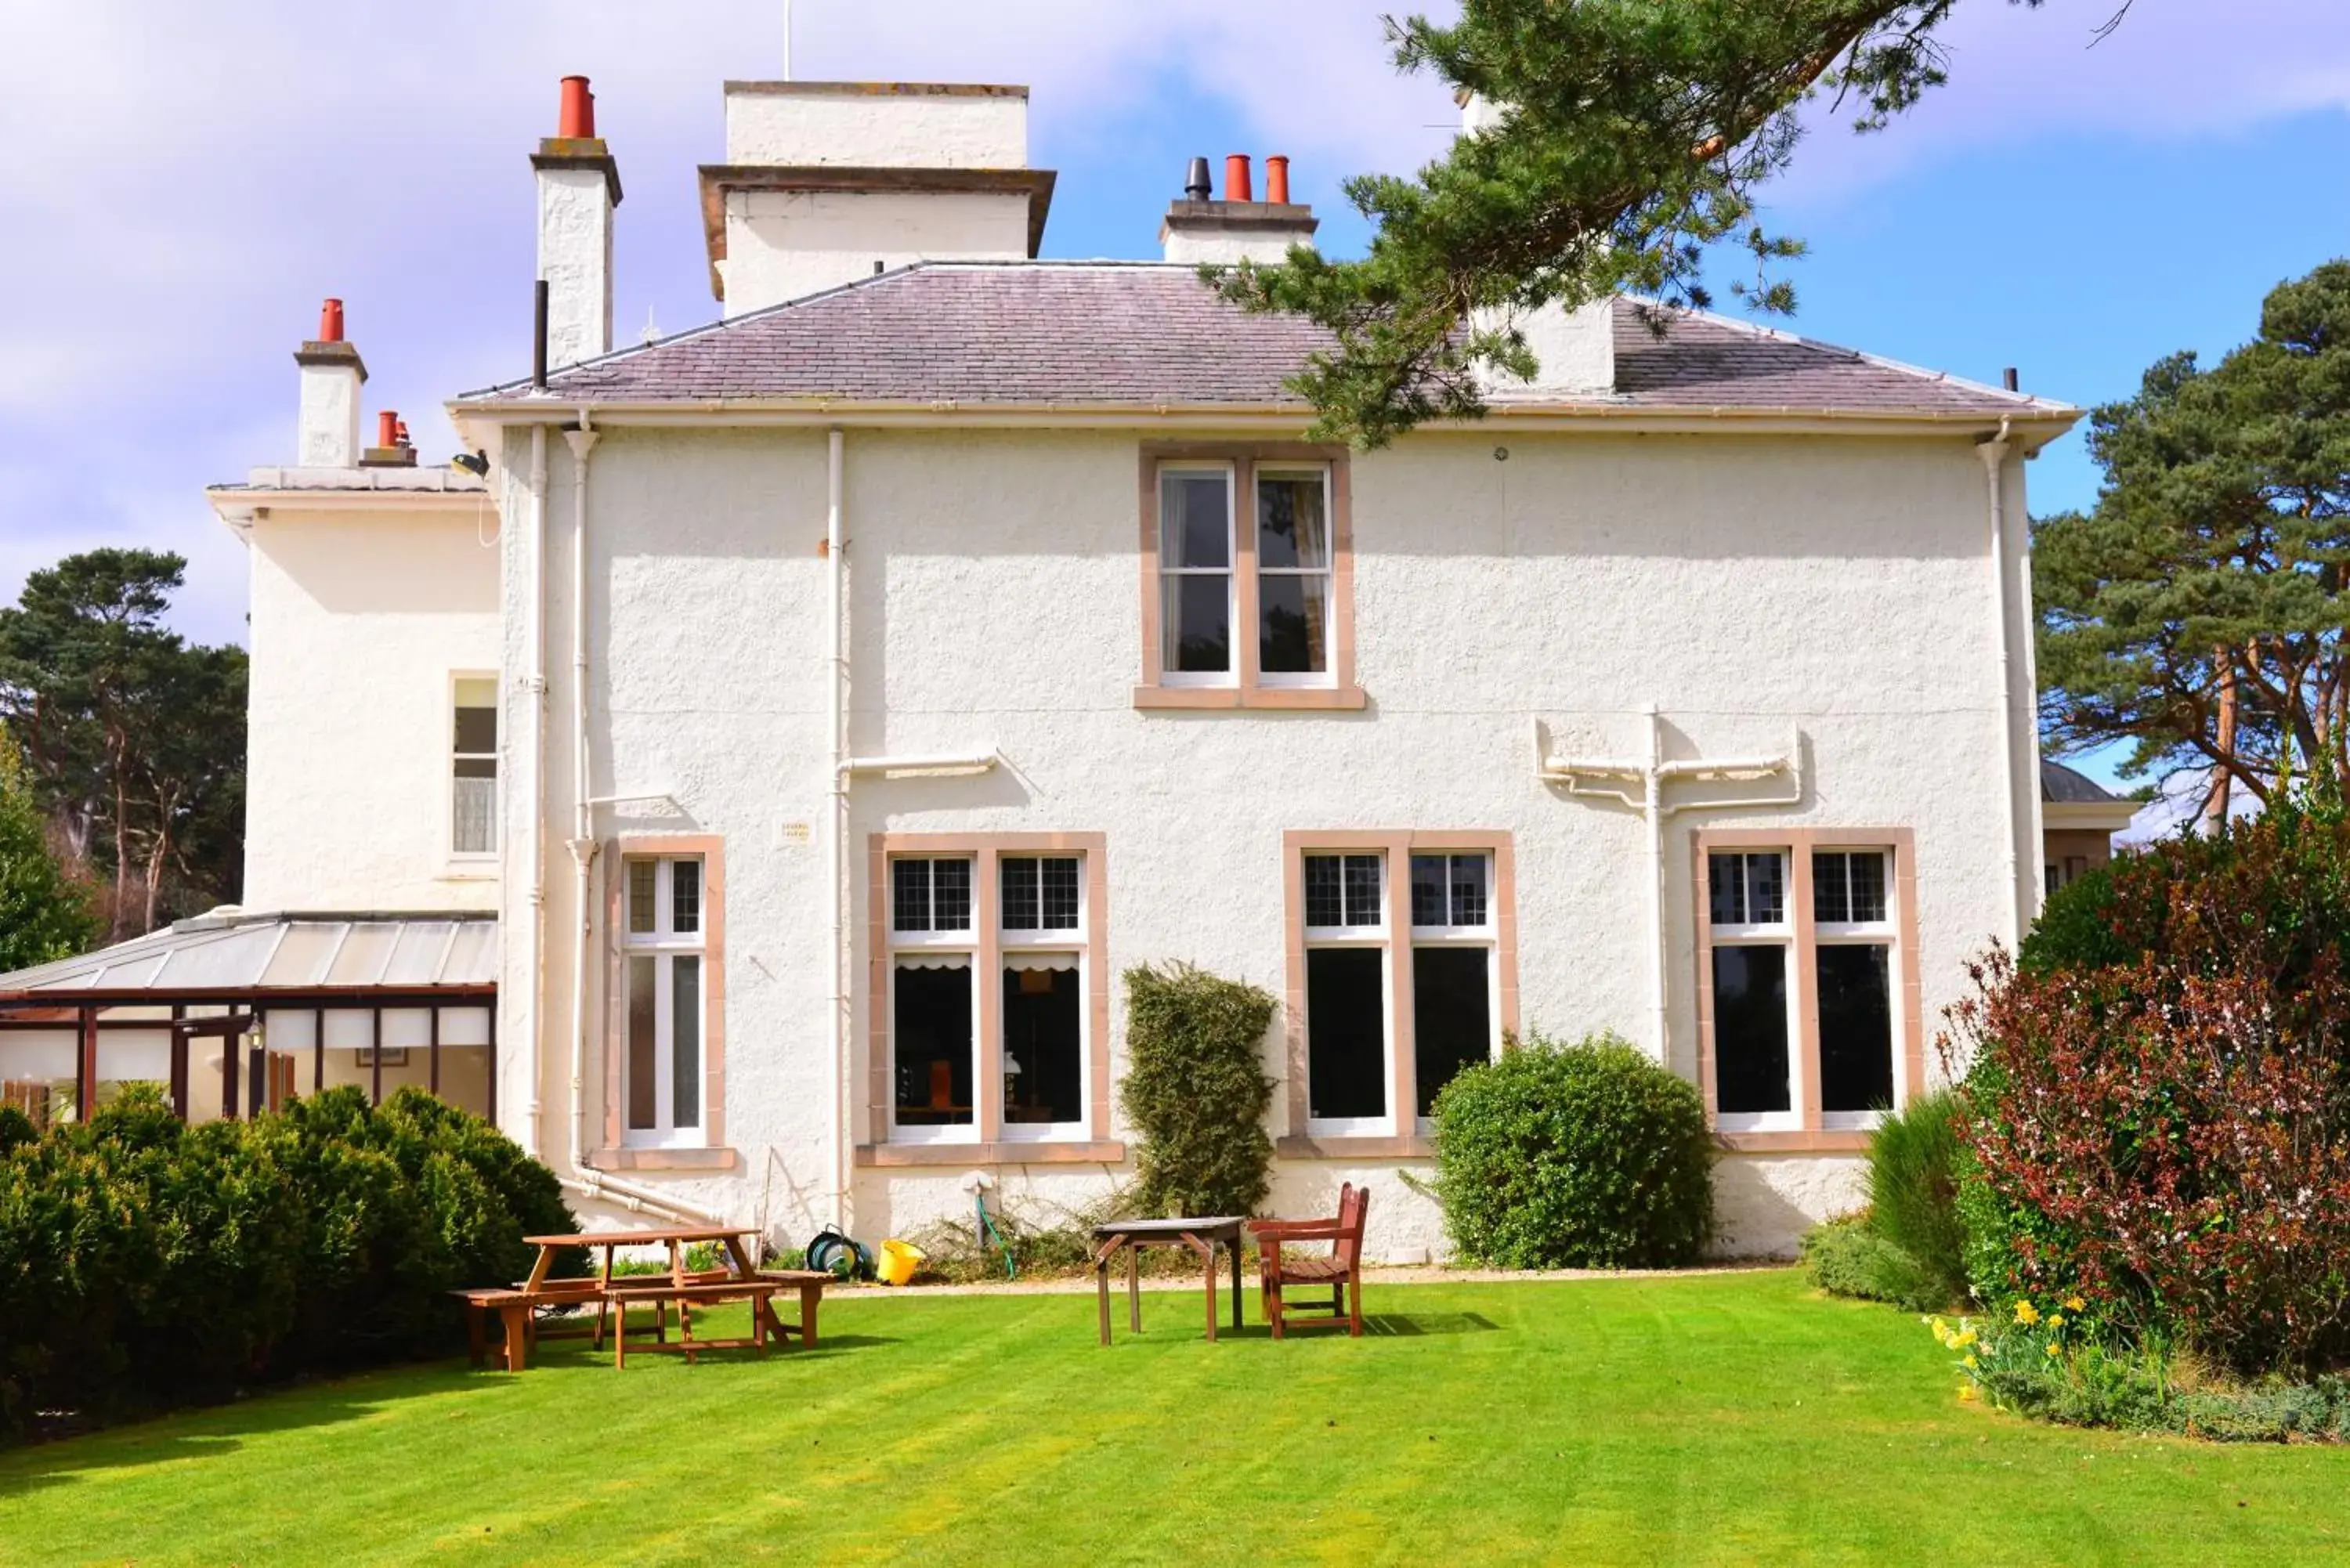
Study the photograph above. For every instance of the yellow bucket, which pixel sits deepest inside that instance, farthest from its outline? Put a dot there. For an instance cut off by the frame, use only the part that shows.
(898, 1262)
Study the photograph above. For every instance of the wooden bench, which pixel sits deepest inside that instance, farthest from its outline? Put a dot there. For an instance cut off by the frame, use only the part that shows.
(708, 1293)
(514, 1309)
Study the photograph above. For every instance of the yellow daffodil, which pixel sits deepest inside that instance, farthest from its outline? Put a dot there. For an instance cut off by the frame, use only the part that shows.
(1963, 1341)
(2052, 1348)
(2026, 1314)
(1966, 1393)
(1971, 1364)
(2074, 1303)
(2055, 1320)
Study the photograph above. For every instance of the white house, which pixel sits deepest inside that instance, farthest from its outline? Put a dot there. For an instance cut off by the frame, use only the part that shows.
(831, 702)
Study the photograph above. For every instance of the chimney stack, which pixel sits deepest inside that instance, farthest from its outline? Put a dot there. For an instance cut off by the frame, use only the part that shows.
(392, 449)
(578, 187)
(1238, 228)
(327, 432)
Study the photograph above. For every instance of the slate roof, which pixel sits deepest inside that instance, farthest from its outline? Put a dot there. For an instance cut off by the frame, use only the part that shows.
(2063, 785)
(1150, 334)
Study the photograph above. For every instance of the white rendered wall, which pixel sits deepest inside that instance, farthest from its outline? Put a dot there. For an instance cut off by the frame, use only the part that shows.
(360, 620)
(1201, 244)
(783, 245)
(1743, 584)
(877, 125)
(574, 257)
(326, 430)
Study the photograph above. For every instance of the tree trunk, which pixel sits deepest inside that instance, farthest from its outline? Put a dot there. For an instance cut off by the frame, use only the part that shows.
(2215, 799)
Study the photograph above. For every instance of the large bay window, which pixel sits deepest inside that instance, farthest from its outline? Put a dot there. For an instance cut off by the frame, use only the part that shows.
(1807, 983)
(664, 1078)
(1403, 971)
(992, 1000)
(1247, 579)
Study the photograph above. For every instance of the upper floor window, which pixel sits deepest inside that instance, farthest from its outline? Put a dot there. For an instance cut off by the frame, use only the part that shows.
(474, 802)
(664, 1002)
(1248, 581)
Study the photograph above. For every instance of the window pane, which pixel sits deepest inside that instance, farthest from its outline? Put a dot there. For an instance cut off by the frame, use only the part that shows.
(643, 1046)
(475, 810)
(1194, 521)
(1766, 889)
(932, 1041)
(1750, 1030)
(640, 897)
(1856, 1027)
(1469, 890)
(1293, 617)
(1362, 889)
(1831, 889)
(1019, 894)
(1868, 885)
(477, 731)
(1058, 895)
(1726, 888)
(951, 895)
(909, 895)
(1044, 1048)
(1326, 902)
(685, 1040)
(685, 897)
(1197, 638)
(1291, 530)
(1428, 890)
(1345, 1032)
(1451, 1015)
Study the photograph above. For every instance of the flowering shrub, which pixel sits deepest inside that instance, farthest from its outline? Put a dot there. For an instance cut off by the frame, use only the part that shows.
(2166, 1134)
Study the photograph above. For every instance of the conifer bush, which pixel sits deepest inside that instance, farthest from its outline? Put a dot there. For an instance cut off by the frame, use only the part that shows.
(1195, 1091)
(1581, 1155)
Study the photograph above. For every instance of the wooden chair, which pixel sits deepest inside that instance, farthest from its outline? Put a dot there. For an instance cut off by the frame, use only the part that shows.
(1342, 1271)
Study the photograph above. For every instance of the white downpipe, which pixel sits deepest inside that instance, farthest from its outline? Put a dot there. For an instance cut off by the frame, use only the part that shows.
(1582, 776)
(1994, 457)
(535, 687)
(582, 442)
(593, 1183)
(837, 837)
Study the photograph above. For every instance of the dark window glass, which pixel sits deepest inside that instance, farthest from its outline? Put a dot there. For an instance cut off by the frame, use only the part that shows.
(1362, 889)
(1043, 1047)
(1345, 1032)
(951, 895)
(641, 874)
(1429, 878)
(1856, 1027)
(477, 729)
(1750, 1030)
(1199, 623)
(643, 1047)
(1867, 873)
(1451, 1015)
(685, 1041)
(1326, 900)
(1290, 532)
(1831, 888)
(1019, 896)
(1469, 890)
(1057, 894)
(1195, 521)
(909, 888)
(1747, 888)
(933, 1039)
(1293, 625)
(685, 897)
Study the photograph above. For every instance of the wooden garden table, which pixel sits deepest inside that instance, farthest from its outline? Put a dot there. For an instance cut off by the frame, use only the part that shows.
(1204, 1236)
(735, 1244)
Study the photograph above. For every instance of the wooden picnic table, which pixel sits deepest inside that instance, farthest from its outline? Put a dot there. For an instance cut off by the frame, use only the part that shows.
(1204, 1236)
(684, 1286)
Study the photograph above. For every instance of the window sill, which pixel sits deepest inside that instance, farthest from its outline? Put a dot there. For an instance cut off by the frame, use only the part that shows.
(1296, 1147)
(887, 1156)
(1814, 1141)
(663, 1159)
(1325, 699)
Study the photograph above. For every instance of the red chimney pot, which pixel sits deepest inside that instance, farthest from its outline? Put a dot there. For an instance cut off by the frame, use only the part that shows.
(330, 322)
(578, 121)
(1276, 179)
(403, 433)
(387, 429)
(1236, 178)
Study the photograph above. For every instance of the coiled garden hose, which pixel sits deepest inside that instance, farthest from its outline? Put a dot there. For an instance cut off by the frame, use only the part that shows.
(832, 1251)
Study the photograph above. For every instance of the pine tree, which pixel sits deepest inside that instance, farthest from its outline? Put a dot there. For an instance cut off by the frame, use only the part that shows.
(43, 915)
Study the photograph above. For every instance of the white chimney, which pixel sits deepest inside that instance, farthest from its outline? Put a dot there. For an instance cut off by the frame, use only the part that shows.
(326, 433)
(1239, 228)
(1575, 349)
(578, 186)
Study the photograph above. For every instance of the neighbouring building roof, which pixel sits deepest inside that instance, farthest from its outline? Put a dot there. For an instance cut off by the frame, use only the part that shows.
(389, 480)
(245, 955)
(2065, 786)
(976, 333)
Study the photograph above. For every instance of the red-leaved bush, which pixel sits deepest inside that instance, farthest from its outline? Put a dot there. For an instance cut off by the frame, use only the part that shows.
(2169, 1133)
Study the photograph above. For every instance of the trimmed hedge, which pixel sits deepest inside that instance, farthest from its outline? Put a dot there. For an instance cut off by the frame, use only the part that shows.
(145, 1263)
(1585, 1156)
(1195, 1091)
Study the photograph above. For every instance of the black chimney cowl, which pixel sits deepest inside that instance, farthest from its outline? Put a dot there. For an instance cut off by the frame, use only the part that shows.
(1197, 187)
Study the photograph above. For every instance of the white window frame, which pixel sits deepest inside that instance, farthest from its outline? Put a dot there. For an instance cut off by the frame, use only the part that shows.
(1487, 936)
(1884, 934)
(963, 944)
(1231, 572)
(1380, 937)
(497, 777)
(1327, 572)
(1782, 933)
(664, 944)
(1055, 941)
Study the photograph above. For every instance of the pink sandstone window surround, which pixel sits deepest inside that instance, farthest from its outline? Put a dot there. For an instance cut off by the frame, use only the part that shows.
(1807, 989)
(665, 980)
(1409, 942)
(1248, 577)
(989, 989)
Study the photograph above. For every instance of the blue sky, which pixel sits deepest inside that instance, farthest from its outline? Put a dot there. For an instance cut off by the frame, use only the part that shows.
(185, 183)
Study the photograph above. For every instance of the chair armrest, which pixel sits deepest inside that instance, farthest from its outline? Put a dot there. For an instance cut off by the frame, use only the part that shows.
(1295, 1230)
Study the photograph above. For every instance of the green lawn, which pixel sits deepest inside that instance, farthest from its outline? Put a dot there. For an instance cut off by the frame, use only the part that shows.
(1727, 1418)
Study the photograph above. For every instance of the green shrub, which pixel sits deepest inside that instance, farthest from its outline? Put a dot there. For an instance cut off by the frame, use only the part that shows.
(2076, 928)
(1914, 1158)
(1848, 1257)
(1195, 1091)
(1584, 1156)
(144, 1263)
